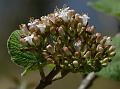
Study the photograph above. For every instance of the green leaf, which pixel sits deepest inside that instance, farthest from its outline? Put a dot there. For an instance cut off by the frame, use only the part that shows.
(50, 66)
(29, 60)
(112, 71)
(111, 7)
(116, 42)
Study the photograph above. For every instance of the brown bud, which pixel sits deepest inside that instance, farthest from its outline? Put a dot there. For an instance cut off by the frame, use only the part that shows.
(105, 60)
(45, 54)
(83, 28)
(108, 40)
(66, 62)
(103, 41)
(52, 30)
(36, 40)
(93, 37)
(75, 63)
(62, 66)
(77, 54)
(93, 46)
(70, 66)
(22, 40)
(52, 22)
(78, 45)
(98, 35)
(100, 48)
(88, 54)
(79, 26)
(24, 29)
(97, 55)
(61, 31)
(90, 29)
(104, 64)
(71, 13)
(33, 28)
(58, 21)
(112, 53)
(50, 49)
(112, 48)
(77, 18)
(67, 51)
(71, 20)
(50, 60)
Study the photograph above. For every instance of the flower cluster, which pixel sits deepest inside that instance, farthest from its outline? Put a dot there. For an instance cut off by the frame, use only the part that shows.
(65, 38)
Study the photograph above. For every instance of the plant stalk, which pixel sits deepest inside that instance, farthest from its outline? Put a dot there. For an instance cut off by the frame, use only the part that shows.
(44, 82)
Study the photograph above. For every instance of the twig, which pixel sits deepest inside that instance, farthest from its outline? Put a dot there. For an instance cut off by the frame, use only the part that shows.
(87, 81)
(48, 79)
(64, 72)
(42, 74)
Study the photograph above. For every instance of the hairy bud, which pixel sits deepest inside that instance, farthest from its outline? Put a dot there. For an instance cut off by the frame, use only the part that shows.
(50, 49)
(66, 39)
(75, 63)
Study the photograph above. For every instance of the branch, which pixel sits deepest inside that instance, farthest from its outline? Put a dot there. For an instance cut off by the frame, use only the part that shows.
(87, 81)
(64, 72)
(42, 74)
(48, 79)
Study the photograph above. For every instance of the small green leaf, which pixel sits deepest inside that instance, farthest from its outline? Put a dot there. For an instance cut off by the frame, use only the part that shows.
(29, 60)
(50, 66)
(112, 71)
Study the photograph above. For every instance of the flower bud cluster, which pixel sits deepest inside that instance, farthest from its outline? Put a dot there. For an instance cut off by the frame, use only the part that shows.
(65, 38)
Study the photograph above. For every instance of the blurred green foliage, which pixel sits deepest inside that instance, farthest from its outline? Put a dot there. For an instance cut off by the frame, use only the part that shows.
(111, 7)
(112, 71)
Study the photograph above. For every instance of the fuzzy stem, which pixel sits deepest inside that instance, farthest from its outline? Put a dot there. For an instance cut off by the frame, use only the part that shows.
(48, 79)
(42, 74)
(64, 72)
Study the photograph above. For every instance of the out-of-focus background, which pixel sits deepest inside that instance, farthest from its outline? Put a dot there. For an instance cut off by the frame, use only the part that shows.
(15, 12)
